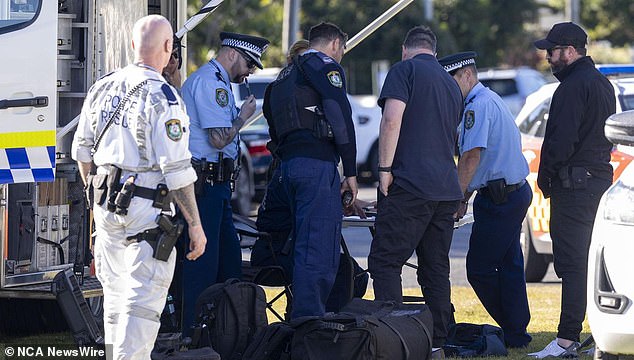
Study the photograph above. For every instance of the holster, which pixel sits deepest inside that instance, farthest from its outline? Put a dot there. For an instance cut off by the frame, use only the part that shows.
(322, 130)
(162, 238)
(497, 191)
(114, 174)
(100, 188)
(210, 172)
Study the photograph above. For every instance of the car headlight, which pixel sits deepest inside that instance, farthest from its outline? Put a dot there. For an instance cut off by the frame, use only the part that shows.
(619, 203)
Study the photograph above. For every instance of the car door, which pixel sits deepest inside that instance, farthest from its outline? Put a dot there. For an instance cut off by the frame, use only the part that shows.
(28, 94)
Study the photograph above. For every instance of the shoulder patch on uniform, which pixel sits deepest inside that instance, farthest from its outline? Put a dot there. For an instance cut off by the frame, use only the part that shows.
(327, 60)
(222, 97)
(335, 79)
(469, 119)
(174, 129)
(169, 94)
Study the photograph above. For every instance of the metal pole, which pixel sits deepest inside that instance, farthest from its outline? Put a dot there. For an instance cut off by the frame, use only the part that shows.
(290, 23)
(360, 36)
(382, 19)
(428, 6)
(572, 11)
(286, 26)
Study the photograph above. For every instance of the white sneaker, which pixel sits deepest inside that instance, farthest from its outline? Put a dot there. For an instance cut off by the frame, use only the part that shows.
(554, 350)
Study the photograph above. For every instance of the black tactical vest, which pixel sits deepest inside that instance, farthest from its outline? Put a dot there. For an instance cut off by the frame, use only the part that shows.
(295, 105)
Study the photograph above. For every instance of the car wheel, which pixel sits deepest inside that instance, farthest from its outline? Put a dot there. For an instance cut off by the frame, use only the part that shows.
(602, 355)
(242, 201)
(535, 264)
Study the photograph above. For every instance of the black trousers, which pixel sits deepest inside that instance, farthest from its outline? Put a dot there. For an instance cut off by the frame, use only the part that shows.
(572, 213)
(404, 224)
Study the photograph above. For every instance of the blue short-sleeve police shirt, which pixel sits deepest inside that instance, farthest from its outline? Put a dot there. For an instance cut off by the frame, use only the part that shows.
(488, 124)
(210, 104)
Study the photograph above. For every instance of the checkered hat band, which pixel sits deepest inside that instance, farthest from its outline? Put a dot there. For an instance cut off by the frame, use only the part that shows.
(458, 65)
(243, 45)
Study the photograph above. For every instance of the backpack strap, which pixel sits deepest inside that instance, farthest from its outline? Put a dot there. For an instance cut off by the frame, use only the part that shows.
(400, 336)
(234, 294)
(427, 333)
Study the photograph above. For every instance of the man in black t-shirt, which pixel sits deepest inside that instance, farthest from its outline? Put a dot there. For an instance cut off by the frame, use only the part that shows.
(417, 177)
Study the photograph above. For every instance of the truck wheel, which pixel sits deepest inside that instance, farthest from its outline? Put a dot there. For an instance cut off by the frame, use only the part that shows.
(30, 317)
(535, 264)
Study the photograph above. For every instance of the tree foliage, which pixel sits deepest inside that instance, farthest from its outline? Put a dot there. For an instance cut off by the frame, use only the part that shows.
(500, 31)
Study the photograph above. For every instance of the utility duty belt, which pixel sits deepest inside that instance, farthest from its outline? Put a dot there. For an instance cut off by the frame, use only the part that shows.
(106, 189)
(215, 172)
(162, 238)
(498, 191)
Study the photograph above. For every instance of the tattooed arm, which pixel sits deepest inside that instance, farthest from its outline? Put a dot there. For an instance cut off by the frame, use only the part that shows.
(221, 137)
(186, 201)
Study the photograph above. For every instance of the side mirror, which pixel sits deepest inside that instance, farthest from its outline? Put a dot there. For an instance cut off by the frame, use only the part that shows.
(619, 128)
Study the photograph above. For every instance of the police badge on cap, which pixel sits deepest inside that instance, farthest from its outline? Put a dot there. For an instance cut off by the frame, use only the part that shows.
(453, 63)
(252, 46)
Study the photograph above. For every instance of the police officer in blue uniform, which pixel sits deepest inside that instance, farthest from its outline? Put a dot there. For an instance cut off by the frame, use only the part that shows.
(214, 144)
(310, 119)
(491, 163)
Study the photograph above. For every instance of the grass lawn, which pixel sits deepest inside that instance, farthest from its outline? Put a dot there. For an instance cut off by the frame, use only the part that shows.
(544, 304)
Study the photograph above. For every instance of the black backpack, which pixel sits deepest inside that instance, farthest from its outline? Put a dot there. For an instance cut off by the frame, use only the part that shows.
(271, 343)
(228, 316)
(366, 330)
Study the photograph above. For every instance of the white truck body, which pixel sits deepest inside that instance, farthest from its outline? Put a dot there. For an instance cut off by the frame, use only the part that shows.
(54, 51)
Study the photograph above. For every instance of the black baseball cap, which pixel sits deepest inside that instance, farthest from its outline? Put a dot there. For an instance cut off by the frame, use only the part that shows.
(566, 33)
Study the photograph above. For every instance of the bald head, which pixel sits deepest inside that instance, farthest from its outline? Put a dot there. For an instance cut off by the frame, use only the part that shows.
(152, 41)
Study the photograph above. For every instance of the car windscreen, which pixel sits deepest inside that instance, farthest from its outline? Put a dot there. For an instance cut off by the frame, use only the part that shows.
(257, 89)
(627, 102)
(503, 87)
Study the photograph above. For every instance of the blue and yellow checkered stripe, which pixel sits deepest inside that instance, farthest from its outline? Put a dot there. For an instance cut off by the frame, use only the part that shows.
(27, 157)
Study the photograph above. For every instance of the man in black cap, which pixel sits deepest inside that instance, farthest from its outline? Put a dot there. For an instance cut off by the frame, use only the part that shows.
(214, 144)
(491, 163)
(574, 171)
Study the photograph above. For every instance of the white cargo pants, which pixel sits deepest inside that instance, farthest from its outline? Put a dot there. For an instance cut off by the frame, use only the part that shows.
(134, 284)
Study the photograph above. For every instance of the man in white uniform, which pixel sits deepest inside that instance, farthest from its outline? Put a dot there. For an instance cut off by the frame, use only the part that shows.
(147, 139)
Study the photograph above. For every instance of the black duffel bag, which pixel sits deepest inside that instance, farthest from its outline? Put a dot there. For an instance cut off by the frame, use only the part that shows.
(392, 332)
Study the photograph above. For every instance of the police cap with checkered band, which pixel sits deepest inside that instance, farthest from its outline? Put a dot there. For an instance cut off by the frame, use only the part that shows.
(252, 46)
(453, 63)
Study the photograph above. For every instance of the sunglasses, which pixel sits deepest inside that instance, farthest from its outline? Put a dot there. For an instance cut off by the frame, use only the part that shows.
(251, 64)
(552, 49)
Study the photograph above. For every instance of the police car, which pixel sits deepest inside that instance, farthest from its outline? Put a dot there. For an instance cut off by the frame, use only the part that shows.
(610, 285)
(535, 239)
(513, 85)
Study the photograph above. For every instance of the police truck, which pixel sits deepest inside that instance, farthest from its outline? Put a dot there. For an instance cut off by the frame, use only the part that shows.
(54, 50)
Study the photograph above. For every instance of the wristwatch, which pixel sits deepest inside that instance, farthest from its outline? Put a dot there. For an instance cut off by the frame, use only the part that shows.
(387, 169)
